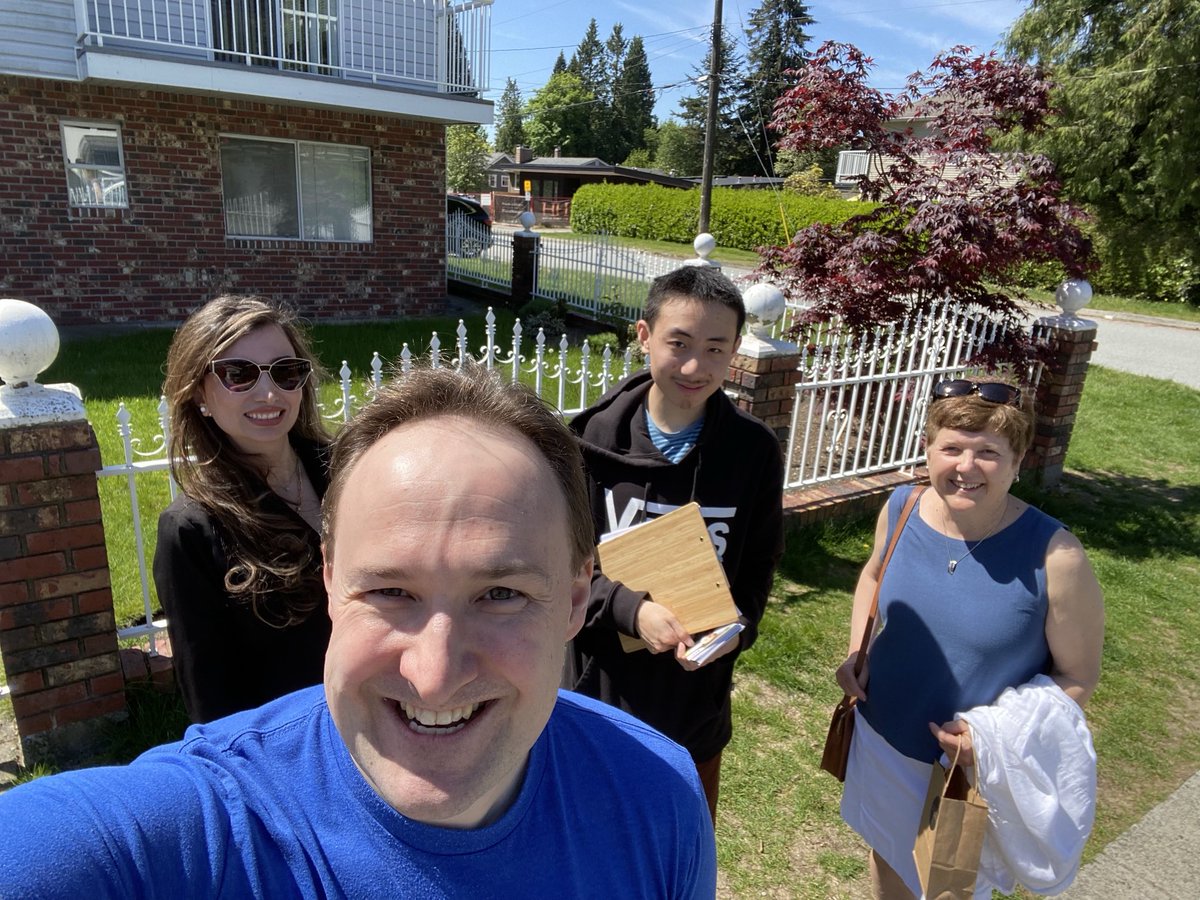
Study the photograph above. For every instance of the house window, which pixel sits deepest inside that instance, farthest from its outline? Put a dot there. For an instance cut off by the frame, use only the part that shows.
(296, 190)
(95, 165)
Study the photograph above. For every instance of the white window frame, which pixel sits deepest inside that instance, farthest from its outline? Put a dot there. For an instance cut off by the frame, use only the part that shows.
(296, 144)
(73, 194)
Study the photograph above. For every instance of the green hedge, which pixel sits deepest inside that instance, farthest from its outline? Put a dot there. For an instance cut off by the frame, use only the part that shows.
(743, 218)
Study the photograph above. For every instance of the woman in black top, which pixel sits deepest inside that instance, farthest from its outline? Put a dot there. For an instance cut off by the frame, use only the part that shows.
(238, 561)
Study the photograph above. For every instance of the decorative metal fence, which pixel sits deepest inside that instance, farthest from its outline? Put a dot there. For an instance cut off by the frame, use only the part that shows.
(568, 377)
(479, 254)
(861, 400)
(600, 278)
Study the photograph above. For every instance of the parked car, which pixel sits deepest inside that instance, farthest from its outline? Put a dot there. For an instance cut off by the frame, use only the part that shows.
(468, 227)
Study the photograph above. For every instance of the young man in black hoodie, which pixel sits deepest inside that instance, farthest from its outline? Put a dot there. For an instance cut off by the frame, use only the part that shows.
(660, 439)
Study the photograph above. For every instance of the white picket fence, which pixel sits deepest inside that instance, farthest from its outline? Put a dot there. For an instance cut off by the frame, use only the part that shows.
(569, 378)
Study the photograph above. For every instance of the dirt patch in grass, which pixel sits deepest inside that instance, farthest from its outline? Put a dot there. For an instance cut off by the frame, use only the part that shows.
(10, 745)
(805, 851)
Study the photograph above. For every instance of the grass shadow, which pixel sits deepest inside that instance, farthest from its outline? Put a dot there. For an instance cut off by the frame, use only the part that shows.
(1131, 516)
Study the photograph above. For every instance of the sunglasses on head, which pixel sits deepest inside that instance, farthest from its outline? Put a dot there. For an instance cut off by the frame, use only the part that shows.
(238, 375)
(991, 391)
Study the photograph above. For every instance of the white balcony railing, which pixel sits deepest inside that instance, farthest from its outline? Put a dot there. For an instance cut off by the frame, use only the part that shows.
(426, 44)
(851, 164)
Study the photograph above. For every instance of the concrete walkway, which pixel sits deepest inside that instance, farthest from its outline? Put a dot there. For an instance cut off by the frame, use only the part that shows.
(1158, 858)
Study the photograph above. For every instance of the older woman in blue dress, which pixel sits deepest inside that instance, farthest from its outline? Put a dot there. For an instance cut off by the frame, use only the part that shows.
(983, 593)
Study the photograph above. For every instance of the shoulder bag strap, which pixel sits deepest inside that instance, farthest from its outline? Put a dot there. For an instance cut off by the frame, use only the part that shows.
(909, 506)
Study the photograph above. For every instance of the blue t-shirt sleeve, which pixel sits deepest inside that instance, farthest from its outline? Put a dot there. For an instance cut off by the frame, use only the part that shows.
(156, 828)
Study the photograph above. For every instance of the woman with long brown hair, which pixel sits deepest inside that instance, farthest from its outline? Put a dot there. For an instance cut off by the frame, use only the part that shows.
(238, 560)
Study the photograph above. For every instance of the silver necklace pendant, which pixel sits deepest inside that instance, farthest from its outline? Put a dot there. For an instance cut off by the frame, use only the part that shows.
(951, 566)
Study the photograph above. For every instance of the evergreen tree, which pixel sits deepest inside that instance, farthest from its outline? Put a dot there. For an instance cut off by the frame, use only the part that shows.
(560, 64)
(610, 144)
(775, 41)
(510, 120)
(1127, 126)
(633, 100)
(693, 111)
(588, 60)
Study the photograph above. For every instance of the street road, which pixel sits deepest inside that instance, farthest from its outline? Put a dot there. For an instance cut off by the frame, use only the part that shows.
(1146, 346)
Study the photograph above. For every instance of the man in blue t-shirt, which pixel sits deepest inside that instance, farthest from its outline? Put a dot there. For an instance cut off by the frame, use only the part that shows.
(438, 760)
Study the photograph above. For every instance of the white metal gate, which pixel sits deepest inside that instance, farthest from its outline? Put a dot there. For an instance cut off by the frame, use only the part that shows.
(861, 400)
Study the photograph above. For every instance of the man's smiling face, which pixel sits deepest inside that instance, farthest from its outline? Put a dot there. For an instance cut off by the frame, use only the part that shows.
(452, 597)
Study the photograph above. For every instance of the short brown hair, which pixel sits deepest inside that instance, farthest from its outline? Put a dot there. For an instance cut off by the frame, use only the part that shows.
(972, 413)
(478, 395)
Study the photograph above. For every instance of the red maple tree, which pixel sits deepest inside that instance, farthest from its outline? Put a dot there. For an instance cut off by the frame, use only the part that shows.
(952, 217)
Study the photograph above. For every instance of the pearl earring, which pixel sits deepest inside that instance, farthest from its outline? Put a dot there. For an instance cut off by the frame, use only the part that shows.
(203, 410)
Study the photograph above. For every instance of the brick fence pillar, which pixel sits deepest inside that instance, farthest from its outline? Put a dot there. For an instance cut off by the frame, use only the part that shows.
(524, 262)
(1070, 341)
(57, 634)
(762, 379)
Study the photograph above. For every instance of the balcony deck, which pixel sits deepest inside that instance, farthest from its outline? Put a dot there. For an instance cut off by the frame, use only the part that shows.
(431, 56)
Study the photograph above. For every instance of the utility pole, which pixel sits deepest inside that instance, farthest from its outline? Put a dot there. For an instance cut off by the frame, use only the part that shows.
(710, 122)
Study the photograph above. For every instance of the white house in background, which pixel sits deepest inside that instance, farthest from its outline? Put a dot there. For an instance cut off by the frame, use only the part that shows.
(158, 152)
(853, 164)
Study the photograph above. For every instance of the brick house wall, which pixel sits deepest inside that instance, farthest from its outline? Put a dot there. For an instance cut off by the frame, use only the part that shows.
(167, 253)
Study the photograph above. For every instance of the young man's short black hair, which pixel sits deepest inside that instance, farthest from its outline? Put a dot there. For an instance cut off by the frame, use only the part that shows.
(703, 283)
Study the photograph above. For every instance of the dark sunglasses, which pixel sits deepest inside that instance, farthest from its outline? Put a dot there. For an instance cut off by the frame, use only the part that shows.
(991, 391)
(238, 375)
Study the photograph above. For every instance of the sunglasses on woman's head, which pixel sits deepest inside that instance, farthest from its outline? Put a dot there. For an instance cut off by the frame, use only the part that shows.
(991, 391)
(238, 375)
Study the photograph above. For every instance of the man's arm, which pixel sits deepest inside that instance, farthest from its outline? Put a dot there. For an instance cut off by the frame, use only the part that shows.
(146, 830)
(613, 605)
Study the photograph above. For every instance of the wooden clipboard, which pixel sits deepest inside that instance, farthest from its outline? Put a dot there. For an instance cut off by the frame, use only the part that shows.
(673, 559)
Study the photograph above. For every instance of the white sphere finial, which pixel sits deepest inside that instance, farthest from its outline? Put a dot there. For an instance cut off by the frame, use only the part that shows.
(28, 343)
(704, 245)
(764, 307)
(1073, 295)
(527, 220)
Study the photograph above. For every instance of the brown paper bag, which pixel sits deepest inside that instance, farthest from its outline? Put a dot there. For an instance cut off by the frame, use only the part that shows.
(950, 837)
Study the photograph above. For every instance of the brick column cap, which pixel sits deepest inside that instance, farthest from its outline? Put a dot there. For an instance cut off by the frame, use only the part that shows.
(1067, 323)
(40, 404)
(756, 347)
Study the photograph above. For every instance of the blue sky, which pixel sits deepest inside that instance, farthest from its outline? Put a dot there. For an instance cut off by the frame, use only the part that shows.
(901, 35)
